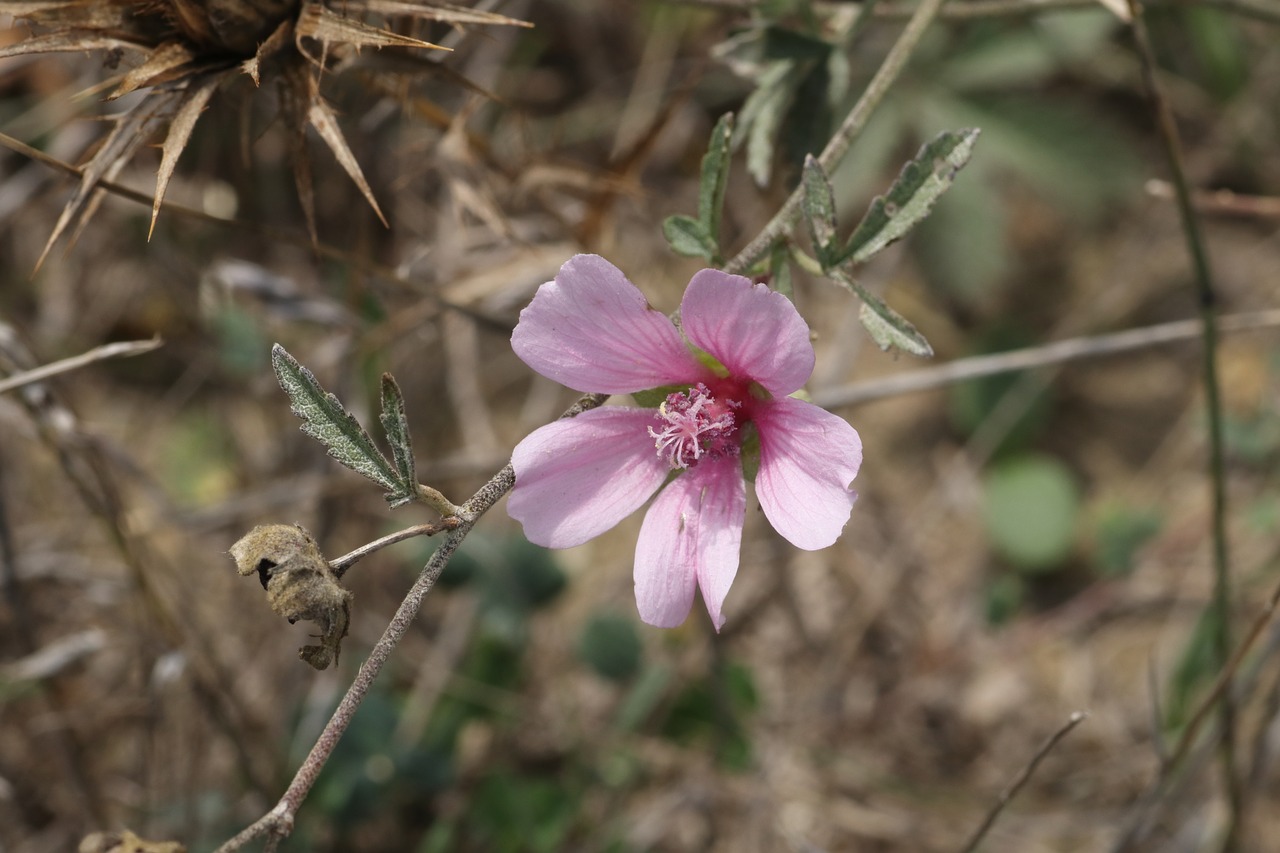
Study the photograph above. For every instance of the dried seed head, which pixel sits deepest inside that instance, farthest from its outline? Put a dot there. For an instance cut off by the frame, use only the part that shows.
(299, 584)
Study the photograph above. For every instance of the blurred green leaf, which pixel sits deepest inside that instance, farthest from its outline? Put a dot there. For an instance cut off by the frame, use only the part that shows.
(1121, 531)
(1197, 667)
(1004, 598)
(645, 696)
(1031, 507)
(610, 645)
(762, 114)
(912, 195)
(325, 420)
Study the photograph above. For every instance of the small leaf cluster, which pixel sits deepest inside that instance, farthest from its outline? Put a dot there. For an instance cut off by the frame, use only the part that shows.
(326, 420)
(922, 180)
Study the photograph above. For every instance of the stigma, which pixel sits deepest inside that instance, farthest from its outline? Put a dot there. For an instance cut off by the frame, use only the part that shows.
(693, 425)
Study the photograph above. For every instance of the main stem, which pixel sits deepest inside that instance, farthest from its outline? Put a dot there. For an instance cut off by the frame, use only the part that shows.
(278, 822)
(1207, 299)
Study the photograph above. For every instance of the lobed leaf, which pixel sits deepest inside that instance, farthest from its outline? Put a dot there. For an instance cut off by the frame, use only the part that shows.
(396, 426)
(912, 195)
(325, 420)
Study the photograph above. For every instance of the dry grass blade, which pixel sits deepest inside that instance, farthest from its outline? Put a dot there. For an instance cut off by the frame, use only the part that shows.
(326, 124)
(74, 15)
(131, 130)
(162, 65)
(436, 12)
(194, 99)
(317, 22)
(66, 42)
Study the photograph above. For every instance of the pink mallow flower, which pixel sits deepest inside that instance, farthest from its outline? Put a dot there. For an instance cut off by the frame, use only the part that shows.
(592, 330)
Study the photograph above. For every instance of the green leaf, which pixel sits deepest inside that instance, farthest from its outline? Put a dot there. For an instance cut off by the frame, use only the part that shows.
(887, 327)
(715, 178)
(396, 426)
(688, 237)
(819, 204)
(325, 420)
(762, 115)
(610, 645)
(1031, 507)
(780, 268)
(912, 195)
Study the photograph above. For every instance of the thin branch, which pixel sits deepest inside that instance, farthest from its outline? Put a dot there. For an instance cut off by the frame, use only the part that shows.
(1059, 352)
(1213, 404)
(346, 561)
(122, 349)
(278, 823)
(1168, 767)
(848, 131)
(1223, 202)
(1015, 786)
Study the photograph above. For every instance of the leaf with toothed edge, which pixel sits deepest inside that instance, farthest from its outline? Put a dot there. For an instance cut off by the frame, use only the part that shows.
(396, 426)
(325, 420)
(887, 327)
(819, 204)
(911, 197)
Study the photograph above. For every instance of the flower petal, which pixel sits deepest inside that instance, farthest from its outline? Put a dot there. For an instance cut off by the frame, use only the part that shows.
(592, 330)
(691, 534)
(754, 331)
(808, 458)
(577, 478)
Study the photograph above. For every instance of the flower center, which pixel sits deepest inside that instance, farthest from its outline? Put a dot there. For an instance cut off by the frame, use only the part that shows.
(693, 425)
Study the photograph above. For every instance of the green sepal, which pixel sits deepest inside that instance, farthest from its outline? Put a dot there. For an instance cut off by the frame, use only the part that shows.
(652, 398)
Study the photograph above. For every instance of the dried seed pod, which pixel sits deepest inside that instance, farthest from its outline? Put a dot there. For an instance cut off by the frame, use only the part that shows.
(299, 584)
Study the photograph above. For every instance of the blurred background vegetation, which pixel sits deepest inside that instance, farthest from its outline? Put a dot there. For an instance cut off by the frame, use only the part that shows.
(1025, 545)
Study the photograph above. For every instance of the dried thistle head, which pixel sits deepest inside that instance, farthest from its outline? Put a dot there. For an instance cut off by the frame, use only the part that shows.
(183, 50)
(299, 584)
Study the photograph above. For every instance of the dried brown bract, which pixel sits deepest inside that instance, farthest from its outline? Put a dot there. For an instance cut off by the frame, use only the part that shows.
(299, 584)
(126, 842)
(183, 50)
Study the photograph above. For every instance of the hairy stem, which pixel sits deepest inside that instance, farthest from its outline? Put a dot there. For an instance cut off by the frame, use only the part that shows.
(278, 822)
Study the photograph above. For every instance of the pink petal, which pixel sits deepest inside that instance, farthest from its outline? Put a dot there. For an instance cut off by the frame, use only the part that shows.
(808, 458)
(691, 534)
(754, 331)
(577, 478)
(592, 330)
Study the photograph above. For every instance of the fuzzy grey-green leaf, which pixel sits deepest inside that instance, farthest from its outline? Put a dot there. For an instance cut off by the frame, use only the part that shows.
(819, 205)
(715, 178)
(688, 237)
(888, 328)
(325, 420)
(912, 195)
(396, 426)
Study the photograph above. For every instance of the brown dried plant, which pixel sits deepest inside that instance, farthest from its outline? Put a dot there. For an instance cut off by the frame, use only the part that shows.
(181, 51)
